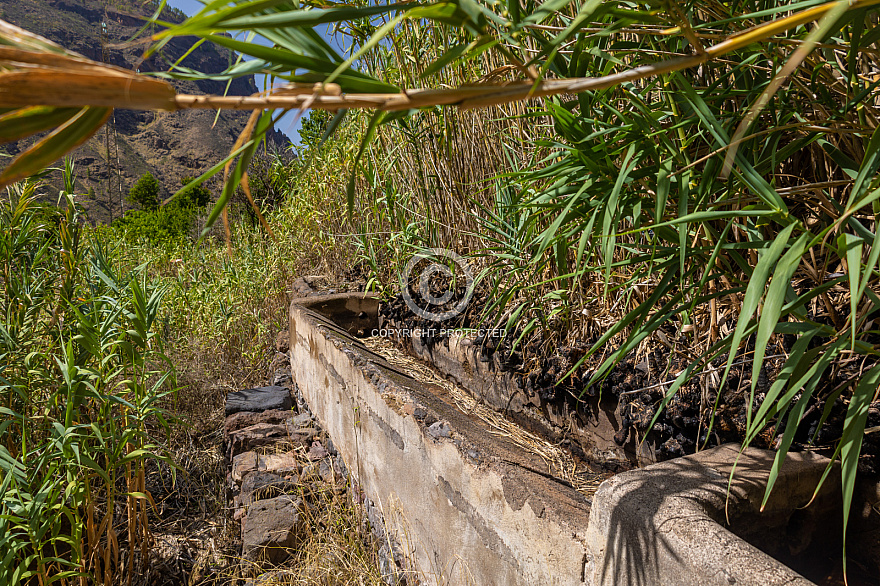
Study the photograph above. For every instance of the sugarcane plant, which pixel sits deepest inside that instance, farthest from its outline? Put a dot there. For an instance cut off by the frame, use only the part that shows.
(82, 376)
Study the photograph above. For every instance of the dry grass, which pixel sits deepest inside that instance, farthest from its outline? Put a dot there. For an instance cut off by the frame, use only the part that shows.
(194, 536)
(197, 541)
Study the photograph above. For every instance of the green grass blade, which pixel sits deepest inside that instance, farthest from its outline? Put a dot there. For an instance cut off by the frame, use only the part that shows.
(754, 292)
(774, 300)
(27, 121)
(64, 139)
(806, 384)
(851, 247)
(374, 40)
(868, 168)
(851, 441)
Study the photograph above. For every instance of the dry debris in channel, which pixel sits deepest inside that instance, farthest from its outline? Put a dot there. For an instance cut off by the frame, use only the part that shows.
(560, 464)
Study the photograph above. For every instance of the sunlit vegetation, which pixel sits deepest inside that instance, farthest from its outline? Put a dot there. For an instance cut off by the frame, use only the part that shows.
(83, 373)
(702, 176)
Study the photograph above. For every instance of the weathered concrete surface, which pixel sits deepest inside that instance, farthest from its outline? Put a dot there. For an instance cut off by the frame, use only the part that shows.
(592, 425)
(664, 524)
(475, 509)
(471, 507)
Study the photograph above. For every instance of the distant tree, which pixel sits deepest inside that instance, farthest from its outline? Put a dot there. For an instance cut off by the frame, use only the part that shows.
(270, 176)
(313, 127)
(166, 226)
(198, 195)
(145, 192)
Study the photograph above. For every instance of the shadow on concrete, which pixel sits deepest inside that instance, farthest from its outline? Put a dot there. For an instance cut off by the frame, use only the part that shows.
(673, 523)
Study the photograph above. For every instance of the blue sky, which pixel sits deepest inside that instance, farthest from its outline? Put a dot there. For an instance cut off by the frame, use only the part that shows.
(190, 7)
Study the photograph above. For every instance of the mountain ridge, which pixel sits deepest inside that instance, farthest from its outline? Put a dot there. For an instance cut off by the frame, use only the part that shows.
(170, 145)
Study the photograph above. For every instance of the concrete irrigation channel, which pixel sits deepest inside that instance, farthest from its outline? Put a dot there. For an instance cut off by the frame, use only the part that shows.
(470, 497)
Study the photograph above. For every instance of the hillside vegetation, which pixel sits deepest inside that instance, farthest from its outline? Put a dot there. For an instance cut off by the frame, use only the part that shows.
(692, 185)
(169, 145)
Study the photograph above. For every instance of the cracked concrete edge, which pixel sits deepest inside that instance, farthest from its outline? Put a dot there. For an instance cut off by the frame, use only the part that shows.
(664, 524)
(468, 508)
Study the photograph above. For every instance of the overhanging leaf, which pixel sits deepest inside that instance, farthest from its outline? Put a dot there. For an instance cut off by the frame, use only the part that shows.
(27, 121)
(64, 139)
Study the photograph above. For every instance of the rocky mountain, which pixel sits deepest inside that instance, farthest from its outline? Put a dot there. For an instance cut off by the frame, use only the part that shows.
(171, 145)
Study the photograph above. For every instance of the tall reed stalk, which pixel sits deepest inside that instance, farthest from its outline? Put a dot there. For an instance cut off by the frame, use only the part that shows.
(82, 375)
